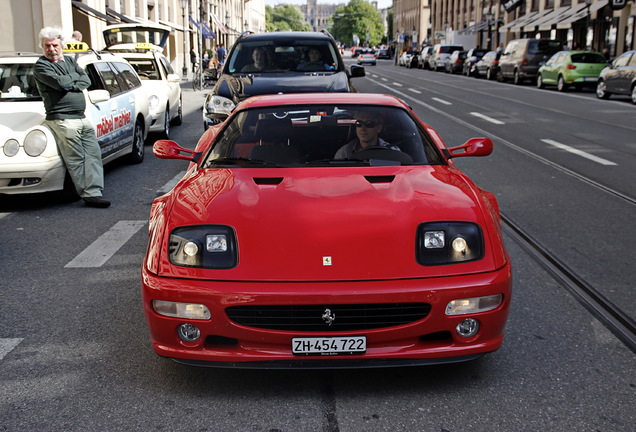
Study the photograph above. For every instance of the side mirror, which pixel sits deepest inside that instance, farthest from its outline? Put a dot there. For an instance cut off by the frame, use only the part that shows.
(97, 96)
(472, 147)
(167, 149)
(357, 71)
(174, 78)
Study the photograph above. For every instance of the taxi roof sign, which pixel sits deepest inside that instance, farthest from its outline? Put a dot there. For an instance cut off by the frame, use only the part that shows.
(76, 47)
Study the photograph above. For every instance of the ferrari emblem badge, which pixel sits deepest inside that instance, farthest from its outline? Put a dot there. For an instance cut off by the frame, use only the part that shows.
(326, 260)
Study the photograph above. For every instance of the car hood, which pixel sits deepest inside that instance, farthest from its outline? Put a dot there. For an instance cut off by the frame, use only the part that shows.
(364, 219)
(20, 116)
(241, 86)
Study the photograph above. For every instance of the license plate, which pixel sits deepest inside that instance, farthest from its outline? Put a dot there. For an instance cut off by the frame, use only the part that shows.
(329, 345)
(589, 79)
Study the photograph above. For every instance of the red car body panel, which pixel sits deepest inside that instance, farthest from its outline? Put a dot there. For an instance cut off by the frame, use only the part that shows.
(287, 220)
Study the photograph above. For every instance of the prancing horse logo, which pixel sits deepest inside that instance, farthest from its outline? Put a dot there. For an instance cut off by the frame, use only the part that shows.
(328, 316)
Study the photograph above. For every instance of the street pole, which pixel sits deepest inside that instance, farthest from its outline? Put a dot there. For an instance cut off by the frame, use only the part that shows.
(184, 71)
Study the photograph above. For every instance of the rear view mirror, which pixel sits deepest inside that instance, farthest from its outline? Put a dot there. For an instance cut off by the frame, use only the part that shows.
(472, 147)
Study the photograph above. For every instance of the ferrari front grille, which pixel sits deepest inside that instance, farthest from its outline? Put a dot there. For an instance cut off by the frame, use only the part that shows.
(321, 318)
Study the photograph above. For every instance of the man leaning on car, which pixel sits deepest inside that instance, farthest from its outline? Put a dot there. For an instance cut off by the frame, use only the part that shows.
(61, 83)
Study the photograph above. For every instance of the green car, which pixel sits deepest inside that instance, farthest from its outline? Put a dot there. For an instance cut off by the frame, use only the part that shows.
(571, 68)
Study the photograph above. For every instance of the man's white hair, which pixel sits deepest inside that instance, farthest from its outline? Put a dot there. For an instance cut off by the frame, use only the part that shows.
(51, 33)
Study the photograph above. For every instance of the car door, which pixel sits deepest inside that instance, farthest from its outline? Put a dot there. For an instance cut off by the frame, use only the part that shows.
(173, 85)
(550, 70)
(617, 80)
(114, 118)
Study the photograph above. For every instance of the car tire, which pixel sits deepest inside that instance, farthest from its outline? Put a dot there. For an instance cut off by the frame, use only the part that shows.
(178, 120)
(634, 94)
(500, 76)
(516, 78)
(138, 150)
(540, 82)
(601, 90)
(561, 85)
(165, 133)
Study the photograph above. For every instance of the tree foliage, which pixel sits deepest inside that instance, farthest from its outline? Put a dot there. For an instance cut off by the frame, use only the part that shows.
(359, 18)
(285, 17)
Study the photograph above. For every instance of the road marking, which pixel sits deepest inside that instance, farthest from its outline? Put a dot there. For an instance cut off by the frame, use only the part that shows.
(168, 186)
(485, 117)
(7, 345)
(415, 91)
(383, 79)
(106, 245)
(578, 152)
(442, 101)
(397, 84)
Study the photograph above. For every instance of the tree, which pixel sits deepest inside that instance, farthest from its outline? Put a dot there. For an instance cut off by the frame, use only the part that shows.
(285, 17)
(358, 18)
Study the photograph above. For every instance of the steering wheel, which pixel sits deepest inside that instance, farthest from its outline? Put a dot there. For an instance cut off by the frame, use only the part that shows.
(382, 153)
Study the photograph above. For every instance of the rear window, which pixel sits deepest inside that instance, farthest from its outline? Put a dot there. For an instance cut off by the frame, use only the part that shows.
(588, 58)
(546, 47)
(448, 49)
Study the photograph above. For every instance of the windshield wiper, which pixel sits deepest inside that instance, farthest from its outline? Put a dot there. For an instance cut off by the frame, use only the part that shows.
(239, 161)
(336, 162)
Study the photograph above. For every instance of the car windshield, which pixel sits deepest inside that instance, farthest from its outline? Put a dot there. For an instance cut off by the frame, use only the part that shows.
(17, 82)
(282, 55)
(588, 58)
(321, 135)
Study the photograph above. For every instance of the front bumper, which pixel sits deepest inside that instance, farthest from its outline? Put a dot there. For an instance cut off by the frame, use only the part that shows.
(46, 175)
(224, 343)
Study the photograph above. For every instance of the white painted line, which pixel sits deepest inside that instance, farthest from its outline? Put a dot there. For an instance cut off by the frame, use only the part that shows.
(384, 79)
(578, 152)
(442, 101)
(7, 345)
(415, 91)
(106, 245)
(168, 186)
(397, 84)
(485, 117)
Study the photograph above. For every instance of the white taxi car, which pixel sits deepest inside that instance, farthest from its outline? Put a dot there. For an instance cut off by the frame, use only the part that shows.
(116, 104)
(142, 46)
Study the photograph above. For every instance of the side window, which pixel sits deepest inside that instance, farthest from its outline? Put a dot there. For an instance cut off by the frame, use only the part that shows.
(632, 62)
(108, 78)
(127, 75)
(622, 60)
(166, 65)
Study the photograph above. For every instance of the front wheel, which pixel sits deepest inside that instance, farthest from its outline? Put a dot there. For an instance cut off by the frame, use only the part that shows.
(165, 133)
(178, 120)
(138, 150)
(634, 95)
(601, 90)
(517, 78)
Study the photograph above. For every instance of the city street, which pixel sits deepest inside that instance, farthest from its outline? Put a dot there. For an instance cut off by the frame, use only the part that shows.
(74, 348)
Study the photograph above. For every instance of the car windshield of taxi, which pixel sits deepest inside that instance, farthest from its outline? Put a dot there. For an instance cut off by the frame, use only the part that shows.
(324, 231)
(142, 46)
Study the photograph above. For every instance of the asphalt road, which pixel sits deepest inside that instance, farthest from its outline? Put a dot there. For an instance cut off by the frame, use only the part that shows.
(74, 348)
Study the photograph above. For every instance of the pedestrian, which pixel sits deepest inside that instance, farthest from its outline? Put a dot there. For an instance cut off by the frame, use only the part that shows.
(221, 52)
(77, 36)
(61, 83)
(193, 59)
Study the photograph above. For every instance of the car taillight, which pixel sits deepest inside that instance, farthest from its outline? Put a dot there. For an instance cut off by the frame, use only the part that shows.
(524, 62)
(571, 66)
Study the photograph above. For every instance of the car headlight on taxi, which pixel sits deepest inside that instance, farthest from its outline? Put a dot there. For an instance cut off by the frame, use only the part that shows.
(204, 246)
(153, 102)
(219, 105)
(34, 144)
(451, 242)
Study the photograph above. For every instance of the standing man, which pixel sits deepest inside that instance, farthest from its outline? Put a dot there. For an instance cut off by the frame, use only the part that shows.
(221, 53)
(193, 59)
(61, 83)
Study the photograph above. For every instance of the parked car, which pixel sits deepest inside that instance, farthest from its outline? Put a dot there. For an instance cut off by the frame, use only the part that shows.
(619, 77)
(285, 51)
(424, 55)
(154, 69)
(406, 59)
(116, 105)
(472, 57)
(488, 65)
(271, 253)
(571, 68)
(367, 58)
(455, 63)
(440, 55)
(522, 58)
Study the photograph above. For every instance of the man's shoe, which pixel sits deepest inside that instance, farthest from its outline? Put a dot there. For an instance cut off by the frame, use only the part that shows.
(99, 202)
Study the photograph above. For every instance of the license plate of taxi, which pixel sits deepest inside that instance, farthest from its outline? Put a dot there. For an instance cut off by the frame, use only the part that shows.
(329, 345)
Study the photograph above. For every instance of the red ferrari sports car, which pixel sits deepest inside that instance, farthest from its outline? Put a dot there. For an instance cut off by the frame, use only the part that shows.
(325, 231)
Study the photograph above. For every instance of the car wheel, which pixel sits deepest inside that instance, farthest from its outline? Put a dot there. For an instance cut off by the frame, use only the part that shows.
(561, 85)
(138, 150)
(500, 76)
(165, 133)
(601, 90)
(540, 82)
(178, 120)
(517, 78)
(634, 95)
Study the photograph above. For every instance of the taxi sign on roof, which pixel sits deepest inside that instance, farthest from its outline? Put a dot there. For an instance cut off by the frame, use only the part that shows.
(75, 47)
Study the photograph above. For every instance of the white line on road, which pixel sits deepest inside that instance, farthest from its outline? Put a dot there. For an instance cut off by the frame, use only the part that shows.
(578, 152)
(415, 91)
(6, 345)
(442, 101)
(106, 245)
(485, 117)
(397, 84)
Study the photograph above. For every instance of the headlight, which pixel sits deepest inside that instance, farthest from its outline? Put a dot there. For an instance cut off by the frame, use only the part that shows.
(11, 148)
(205, 246)
(219, 105)
(181, 310)
(153, 102)
(473, 305)
(35, 143)
(448, 243)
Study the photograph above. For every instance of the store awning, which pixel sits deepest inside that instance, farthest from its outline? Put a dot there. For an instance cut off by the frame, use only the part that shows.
(89, 11)
(552, 18)
(203, 28)
(123, 18)
(475, 28)
(222, 27)
(530, 24)
(522, 23)
(514, 24)
(580, 12)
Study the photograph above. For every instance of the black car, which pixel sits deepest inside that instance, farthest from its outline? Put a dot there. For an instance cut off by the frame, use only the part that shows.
(384, 54)
(472, 57)
(288, 68)
(619, 77)
(488, 66)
